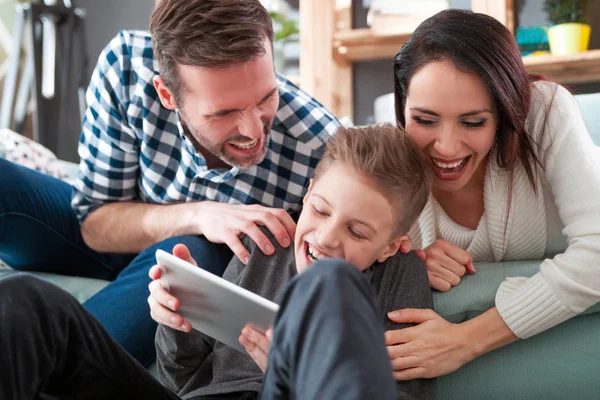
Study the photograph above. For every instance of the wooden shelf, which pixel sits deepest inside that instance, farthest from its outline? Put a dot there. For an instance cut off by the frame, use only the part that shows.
(576, 68)
(365, 44)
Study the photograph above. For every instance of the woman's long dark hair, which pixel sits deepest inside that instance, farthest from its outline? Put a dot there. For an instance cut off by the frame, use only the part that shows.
(480, 44)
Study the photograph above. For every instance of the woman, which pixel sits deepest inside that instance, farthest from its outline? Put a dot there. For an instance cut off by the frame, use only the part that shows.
(516, 176)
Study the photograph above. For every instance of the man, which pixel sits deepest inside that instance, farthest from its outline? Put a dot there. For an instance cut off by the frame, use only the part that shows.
(196, 154)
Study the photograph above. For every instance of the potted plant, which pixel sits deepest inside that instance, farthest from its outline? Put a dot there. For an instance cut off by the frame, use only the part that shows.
(568, 32)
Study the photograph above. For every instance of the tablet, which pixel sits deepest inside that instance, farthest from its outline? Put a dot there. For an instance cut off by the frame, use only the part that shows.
(214, 306)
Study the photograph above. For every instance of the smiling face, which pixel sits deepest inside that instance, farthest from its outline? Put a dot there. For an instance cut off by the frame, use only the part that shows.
(345, 217)
(228, 110)
(450, 115)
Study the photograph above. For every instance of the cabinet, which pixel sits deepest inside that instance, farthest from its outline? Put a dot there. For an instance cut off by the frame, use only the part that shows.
(329, 46)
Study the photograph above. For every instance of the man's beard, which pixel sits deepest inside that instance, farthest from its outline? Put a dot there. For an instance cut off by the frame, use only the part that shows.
(219, 149)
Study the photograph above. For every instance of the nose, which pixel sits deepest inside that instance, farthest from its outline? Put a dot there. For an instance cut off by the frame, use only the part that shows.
(447, 143)
(327, 236)
(251, 124)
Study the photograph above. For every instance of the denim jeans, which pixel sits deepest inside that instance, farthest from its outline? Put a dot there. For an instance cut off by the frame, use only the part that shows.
(328, 343)
(40, 232)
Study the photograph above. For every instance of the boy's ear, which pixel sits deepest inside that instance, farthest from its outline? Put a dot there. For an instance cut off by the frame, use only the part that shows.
(310, 183)
(392, 248)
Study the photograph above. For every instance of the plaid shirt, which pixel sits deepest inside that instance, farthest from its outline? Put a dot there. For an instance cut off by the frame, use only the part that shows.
(134, 149)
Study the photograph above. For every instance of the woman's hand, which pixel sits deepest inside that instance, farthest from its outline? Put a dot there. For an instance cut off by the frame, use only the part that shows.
(257, 345)
(433, 348)
(446, 264)
(162, 304)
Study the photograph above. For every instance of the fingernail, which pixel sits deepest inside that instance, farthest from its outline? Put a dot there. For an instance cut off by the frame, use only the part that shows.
(174, 319)
(171, 304)
(471, 268)
(393, 314)
(269, 248)
(286, 242)
(269, 334)
(246, 259)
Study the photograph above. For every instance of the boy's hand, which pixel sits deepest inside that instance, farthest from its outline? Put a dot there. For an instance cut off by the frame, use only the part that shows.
(162, 303)
(257, 345)
(446, 264)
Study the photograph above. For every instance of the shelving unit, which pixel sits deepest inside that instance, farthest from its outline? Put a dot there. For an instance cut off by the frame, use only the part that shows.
(329, 46)
(576, 68)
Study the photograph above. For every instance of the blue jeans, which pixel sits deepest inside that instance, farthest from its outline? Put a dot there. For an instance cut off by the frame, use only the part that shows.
(40, 232)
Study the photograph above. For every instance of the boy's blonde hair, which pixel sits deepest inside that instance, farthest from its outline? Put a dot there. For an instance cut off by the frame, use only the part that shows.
(385, 155)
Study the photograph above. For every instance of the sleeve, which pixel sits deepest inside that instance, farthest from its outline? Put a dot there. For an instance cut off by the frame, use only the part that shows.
(404, 284)
(108, 146)
(179, 355)
(569, 283)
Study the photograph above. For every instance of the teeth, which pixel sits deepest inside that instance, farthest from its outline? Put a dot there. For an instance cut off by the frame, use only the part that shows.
(314, 253)
(245, 146)
(443, 165)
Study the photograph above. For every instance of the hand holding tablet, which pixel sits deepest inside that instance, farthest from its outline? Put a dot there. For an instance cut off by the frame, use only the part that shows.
(214, 306)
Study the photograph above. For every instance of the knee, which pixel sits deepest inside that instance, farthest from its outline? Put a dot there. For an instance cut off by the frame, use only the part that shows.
(332, 269)
(26, 292)
(332, 275)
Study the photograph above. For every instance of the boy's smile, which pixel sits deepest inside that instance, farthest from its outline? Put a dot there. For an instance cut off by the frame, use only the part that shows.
(345, 217)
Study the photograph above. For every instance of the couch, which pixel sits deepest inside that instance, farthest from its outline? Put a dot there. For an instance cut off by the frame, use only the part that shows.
(563, 363)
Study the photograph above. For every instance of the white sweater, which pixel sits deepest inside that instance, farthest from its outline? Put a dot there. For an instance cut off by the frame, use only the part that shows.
(563, 222)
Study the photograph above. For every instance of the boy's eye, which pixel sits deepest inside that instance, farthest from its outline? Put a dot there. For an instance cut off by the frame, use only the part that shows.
(474, 124)
(423, 121)
(319, 212)
(356, 234)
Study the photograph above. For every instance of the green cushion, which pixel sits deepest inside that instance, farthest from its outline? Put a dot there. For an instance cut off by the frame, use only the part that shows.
(81, 288)
(562, 363)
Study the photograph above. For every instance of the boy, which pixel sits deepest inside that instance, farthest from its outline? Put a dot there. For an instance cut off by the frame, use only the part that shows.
(366, 192)
(328, 340)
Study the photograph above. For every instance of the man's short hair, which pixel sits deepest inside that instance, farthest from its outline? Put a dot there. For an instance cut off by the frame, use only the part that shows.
(207, 33)
(385, 155)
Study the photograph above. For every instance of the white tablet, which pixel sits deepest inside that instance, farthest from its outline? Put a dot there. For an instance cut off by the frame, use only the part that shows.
(214, 306)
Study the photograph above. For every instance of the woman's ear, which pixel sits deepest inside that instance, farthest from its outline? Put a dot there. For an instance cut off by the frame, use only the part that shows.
(392, 248)
(164, 94)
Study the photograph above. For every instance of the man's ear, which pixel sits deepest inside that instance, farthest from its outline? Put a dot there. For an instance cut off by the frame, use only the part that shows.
(310, 183)
(392, 248)
(164, 94)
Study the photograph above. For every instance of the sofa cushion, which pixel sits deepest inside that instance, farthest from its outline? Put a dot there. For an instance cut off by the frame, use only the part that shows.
(561, 363)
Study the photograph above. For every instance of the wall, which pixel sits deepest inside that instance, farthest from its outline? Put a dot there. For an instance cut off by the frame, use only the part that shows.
(374, 78)
(107, 17)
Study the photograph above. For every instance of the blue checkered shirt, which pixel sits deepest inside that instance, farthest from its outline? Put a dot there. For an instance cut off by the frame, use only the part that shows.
(134, 149)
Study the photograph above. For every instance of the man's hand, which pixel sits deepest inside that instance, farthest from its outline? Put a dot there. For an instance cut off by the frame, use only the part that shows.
(257, 345)
(224, 223)
(162, 304)
(446, 264)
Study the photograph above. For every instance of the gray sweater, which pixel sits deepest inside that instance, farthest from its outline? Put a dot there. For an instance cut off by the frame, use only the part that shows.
(193, 364)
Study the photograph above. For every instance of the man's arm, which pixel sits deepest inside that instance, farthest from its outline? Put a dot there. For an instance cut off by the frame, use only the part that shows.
(130, 227)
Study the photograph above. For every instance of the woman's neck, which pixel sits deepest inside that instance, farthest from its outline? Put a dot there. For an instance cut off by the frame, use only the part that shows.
(465, 206)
